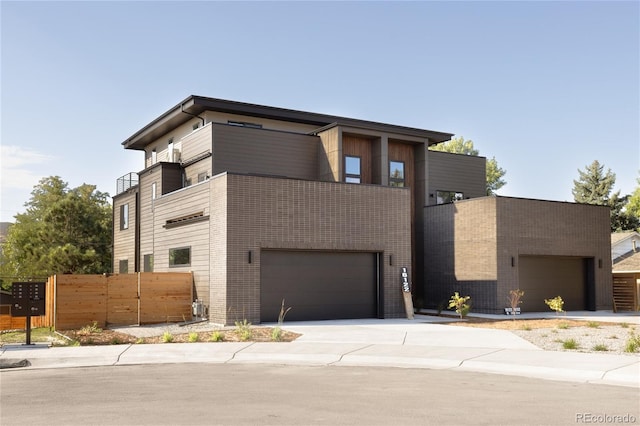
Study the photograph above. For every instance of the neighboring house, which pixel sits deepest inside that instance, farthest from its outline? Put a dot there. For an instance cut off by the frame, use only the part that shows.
(264, 204)
(625, 251)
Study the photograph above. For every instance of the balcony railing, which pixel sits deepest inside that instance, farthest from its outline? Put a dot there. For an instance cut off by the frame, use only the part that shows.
(125, 182)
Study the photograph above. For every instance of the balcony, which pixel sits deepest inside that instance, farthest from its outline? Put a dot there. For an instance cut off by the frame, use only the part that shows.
(125, 182)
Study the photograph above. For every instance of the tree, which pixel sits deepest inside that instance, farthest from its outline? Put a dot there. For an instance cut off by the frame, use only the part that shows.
(633, 205)
(594, 186)
(62, 231)
(494, 173)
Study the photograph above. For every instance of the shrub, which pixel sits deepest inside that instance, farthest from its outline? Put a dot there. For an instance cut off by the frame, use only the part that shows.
(193, 337)
(555, 304)
(515, 299)
(243, 329)
(216, 336)
(460, 304)
(90, 329)
(563, 326)
(593, 324)
(633, 343)
(167, 337)
(600, 348)
(570, 344)
(276, 334)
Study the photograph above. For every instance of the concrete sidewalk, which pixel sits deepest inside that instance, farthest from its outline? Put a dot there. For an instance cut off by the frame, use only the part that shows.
(418, 343)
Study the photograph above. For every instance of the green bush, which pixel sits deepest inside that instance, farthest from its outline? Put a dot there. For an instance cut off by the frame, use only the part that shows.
(633, 343)
(243, 329)
(216, 336)
(461, 304)
(193, 337)
(167, 337)
(555, 304)
(570, 344)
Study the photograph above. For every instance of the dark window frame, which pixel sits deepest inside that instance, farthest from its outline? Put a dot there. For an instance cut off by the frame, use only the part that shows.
(397, 181)
(353, 177)
(124, 216)
(173, 252)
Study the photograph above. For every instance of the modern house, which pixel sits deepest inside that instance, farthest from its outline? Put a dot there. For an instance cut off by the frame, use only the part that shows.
(267, 204)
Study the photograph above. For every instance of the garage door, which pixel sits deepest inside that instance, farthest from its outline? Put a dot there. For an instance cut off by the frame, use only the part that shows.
(547, 277)
(318, 285)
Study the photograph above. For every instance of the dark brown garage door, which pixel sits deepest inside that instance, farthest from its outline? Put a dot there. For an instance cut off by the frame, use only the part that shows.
(545, 277)
(318, 285)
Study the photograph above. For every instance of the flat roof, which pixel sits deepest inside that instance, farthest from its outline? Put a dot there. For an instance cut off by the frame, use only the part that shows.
(194, 105)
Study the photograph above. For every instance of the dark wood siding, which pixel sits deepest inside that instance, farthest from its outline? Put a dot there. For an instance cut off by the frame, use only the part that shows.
(456, 172)
(358, 146)
(318, 285)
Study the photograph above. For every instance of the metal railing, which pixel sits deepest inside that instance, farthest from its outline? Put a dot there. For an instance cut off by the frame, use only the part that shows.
(125, 182)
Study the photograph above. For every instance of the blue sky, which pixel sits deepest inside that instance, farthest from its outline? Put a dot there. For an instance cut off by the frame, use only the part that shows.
(545, 87)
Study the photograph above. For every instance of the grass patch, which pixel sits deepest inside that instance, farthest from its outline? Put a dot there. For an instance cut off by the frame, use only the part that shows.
(633, 344)
(526, 327)
(40, 334)
(243, 329)
(193, 337)
(600, 348)
(216, 336)
(593, 324)
(563, 326)
(167, 337)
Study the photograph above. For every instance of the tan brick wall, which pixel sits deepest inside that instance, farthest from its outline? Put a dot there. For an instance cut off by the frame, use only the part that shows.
(469, 246)
(268, 213)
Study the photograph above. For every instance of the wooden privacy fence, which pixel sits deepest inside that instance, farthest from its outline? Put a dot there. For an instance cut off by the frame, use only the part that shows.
(73, 301)
(625, 291)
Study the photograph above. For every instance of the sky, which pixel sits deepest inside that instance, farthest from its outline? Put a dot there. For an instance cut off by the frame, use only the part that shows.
(545, 87)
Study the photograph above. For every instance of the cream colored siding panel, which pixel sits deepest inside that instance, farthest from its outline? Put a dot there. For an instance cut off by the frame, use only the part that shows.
(124, 240)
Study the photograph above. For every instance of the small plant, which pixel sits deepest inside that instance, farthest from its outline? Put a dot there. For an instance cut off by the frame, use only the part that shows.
(90, 329)
(193, 337)
(593, 324)
(570, 344)
(139, 340)
(633, 343)
(216, 336)
(115, 341)
(276, 333)
(460, 304)
(515, 299)
(563, 326)
(167, 337)
(600, 348)
(243, 329)
(555, 304)
(624, 325)
(526, 327)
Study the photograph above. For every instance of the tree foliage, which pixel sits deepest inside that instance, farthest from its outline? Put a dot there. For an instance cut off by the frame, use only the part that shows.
(62, 231)
(594, 186)
(633, 206)
(494, 173)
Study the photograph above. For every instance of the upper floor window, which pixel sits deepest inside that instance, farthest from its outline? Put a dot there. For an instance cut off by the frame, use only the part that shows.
(124, 216)
(396, 173)
(180, 256)
(352, 170)
(244, 124)
(170, 150)
(445, 197)
(154, 156)
(154, 190)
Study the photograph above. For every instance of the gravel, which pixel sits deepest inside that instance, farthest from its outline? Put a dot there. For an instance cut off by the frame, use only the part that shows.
(612, 337)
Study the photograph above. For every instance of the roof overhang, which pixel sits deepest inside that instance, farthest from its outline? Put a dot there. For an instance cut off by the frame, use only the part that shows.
(196, 105)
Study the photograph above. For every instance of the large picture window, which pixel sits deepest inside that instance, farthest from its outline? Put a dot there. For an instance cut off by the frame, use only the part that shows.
(396, 173)
(352, 172)
(180, 256)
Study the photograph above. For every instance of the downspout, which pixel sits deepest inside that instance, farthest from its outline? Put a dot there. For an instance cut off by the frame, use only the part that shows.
(193, 115)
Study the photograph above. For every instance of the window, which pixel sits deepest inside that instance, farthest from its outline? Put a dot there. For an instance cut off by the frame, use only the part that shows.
(396, 173)
(153, 191)
(244, 124)
(123, 266)
(195, 126)
(445, 197)
(202, 176)
(154, 156)
(124, 216)
(352, 169)
(180, 256)
(148, 263)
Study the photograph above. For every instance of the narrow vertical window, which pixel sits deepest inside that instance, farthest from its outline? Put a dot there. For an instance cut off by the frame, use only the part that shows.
(396, 173)
(352, 173)
(124, 216)
(148, 263)
(123, 266)
(154, 156)
(153, 191)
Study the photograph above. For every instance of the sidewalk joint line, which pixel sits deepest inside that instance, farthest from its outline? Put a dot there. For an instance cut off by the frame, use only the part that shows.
(122, 353)
(350, 352)
(238, 351)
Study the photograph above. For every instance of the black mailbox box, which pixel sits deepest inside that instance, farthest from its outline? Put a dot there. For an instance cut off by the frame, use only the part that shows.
(28, 299)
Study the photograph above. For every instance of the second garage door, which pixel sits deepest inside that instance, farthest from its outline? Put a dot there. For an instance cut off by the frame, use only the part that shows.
(318, 285)
(545, 277)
